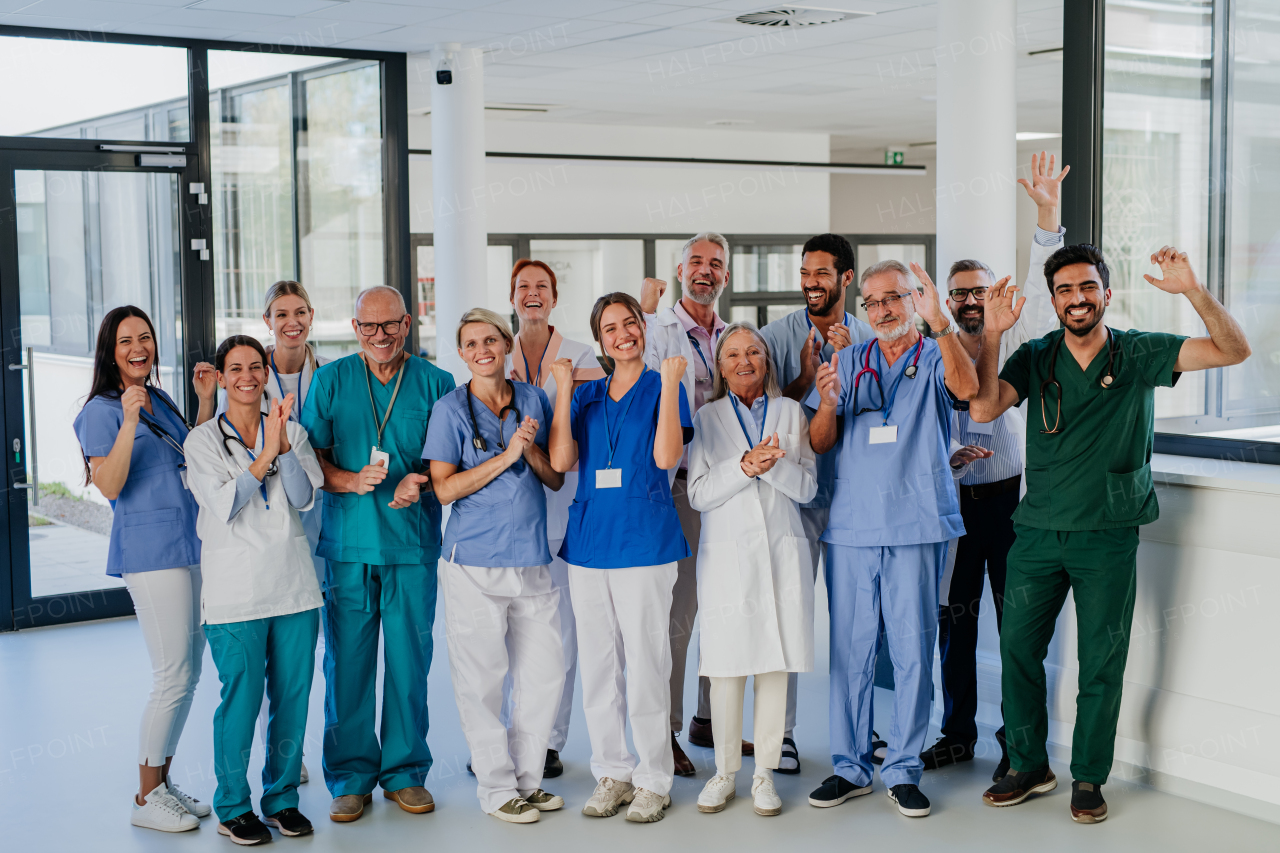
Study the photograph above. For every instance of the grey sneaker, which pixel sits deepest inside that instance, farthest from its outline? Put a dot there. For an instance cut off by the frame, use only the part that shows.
(647, 807)
(544, 802)
(517, 810)
(607, 797)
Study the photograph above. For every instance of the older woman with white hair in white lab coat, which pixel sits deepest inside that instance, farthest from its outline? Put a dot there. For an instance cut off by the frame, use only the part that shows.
(750, 467)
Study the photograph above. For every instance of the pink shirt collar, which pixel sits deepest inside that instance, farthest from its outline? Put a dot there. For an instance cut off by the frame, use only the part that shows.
(690, 324)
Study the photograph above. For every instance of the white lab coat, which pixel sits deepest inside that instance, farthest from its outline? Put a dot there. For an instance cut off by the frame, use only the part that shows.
(755, 579)
(258, 564)
(664, 337)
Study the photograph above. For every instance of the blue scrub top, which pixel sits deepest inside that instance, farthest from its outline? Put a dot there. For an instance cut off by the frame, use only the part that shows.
(504, 523)
(637, 524)
(337, 417)
(155, 515)
(899, 493)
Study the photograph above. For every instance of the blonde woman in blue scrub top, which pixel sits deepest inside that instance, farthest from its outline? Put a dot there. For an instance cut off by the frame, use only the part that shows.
(625, 432)
(131, 435)
(253, 474)
(486, 443)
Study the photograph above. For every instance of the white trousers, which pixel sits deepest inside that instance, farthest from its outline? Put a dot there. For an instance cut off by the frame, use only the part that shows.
(726, 720)
(491, 635)
(623, 620)
(568, 639)
(815, 522)
(167, 603)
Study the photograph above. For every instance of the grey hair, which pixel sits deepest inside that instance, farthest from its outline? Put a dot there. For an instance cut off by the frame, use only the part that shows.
(969, 265)
(382, 288)
(708, 237)
(771, 386)
(882, 267)
(492, 318)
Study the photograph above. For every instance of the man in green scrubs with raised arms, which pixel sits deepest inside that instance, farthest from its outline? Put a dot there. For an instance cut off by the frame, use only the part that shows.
(1091, 428)
(367, 416)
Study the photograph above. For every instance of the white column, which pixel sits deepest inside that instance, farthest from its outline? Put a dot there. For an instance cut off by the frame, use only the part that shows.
(977, 126)
(457, 196)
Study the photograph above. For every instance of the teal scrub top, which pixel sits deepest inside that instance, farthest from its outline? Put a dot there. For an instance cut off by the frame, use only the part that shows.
(1095, 473)
(338, 418)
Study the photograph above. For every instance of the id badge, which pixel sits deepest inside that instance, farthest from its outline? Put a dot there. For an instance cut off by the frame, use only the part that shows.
(376, 456)
(980, 429)
(182, 472)
(608, 478)
(884, 434)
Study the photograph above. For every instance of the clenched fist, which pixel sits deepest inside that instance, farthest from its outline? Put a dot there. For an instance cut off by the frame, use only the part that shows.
(650, 293)
(673, 370)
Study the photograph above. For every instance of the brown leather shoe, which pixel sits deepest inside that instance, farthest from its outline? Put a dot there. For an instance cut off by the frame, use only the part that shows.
(700, 735)
(1017, 785)
(684, 767)
(748, 748)
(348, 807)
(415, 799)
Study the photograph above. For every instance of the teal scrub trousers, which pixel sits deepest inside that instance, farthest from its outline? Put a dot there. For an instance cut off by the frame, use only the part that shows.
(1099, 567)
(359, 598)
(277, 653)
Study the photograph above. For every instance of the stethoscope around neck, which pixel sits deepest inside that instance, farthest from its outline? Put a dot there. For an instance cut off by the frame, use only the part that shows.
(910, 373)
(1108, 378)
(477, 440)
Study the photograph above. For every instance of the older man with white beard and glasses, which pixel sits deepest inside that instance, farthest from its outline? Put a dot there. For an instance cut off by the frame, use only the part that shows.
(886, 408)
(690, 329)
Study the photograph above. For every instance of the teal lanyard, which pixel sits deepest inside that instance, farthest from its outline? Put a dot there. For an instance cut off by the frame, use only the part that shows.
(608, 432)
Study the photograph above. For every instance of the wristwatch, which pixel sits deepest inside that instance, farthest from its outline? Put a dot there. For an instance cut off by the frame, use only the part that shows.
(948, 330)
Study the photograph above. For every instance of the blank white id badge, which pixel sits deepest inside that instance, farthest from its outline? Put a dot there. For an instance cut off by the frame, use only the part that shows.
(608, 478)
(376, 456)
(980, 429)
(884, 434)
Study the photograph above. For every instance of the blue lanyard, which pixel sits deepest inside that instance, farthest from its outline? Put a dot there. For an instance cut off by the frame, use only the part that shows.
(743, 424)
(252, 458)
(893, 389)
(608, 433)
(296, 414)
(528, 377)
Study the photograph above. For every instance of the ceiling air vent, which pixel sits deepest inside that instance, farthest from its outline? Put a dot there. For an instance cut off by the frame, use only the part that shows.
(796, 16)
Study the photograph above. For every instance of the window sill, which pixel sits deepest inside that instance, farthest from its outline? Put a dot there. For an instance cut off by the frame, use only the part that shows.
(1221, 474)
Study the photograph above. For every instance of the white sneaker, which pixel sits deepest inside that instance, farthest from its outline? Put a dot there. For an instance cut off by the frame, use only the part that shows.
(190, 803)
(163, 812)
(647, 807)
(607, 797)
(765, 797)
(716, 794)
(305, 777)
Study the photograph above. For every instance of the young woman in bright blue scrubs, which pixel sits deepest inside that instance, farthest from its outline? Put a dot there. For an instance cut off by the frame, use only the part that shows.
(131, 435)
(486, 443)
(625, 432)
(252, 475)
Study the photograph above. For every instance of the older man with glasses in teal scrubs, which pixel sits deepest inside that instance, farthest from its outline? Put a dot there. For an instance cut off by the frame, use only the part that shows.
(367, 417)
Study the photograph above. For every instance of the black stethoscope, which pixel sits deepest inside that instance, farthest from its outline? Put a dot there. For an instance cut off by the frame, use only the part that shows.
(163, 434)
(1107, 379)
(272, 469)
(477, 441)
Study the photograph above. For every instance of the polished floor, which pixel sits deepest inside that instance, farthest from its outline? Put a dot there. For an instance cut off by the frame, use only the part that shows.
(71, 697)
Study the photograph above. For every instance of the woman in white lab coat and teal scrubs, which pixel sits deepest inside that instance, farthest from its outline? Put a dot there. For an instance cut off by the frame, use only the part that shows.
(252, 474)
(750, 469)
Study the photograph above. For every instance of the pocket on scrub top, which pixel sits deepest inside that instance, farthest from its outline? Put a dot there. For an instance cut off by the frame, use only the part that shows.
(1127, 494)
(408, 428)
(152, 538)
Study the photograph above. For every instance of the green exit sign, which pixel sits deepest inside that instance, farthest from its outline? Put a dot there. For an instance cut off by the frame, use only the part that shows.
(894, 158)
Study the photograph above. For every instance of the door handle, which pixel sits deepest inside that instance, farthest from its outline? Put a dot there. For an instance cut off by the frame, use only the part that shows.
(34, 485)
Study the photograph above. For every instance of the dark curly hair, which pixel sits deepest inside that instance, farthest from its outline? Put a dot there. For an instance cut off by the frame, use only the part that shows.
(1080, 253)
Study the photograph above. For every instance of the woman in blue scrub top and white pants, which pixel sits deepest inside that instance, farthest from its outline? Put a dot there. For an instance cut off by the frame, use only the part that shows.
(625, 432)
(486, 443)
(131, 435)
(252, 475)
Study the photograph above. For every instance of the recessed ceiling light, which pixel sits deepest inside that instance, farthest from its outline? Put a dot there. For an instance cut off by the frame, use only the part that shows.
(1026, 136)
(729, 122)
(795, 16)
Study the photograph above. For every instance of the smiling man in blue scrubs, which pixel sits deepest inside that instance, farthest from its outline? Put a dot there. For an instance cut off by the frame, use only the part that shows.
(367, 417)
(886, 409)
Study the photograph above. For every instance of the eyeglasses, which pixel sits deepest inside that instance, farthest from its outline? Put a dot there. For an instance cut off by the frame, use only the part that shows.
(978, 293)
(887, 303)
(370, 329)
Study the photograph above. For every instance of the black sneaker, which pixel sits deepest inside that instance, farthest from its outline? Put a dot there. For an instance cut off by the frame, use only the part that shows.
(789, 761)
(947, 751)
(1087, 805)
(879, 749)
(553, 767)
(835, 790)
(290, 822)
(245, 830)
(1017, 785)
(1003, 767)
(910, 801)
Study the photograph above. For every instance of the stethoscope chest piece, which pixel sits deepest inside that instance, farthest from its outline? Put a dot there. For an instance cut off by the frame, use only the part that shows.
(1107, 380)
(910, 371)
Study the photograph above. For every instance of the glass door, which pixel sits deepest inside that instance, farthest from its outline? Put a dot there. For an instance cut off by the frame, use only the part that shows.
(87, 233)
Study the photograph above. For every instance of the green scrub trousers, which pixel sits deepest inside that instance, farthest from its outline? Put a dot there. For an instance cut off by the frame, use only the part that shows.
(360, 598)
(277, 653)
(1100, 569)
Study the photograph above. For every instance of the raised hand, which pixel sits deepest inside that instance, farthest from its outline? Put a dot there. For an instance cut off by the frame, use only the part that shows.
(562, 370)
(522, 439)
(1043, 188)
(999, 311)
(650, 292)
(408, 490)
(368, 477)
(828, 382)
(280, 409)
(273, 428)
(1179, 277)
(810, 357)
(839, 337)
(969, 453)
(672, 370)
(132, 401)
(204, 379)
(928, 305)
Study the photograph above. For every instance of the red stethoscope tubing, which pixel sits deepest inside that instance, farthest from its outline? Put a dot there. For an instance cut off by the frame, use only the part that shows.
(867, 368)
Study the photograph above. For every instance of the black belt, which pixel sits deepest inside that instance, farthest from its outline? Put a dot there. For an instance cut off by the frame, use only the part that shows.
(682, 474)
(990, 490)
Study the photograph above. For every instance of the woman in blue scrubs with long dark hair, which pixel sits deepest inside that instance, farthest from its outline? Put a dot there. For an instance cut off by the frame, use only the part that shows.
(625, 432)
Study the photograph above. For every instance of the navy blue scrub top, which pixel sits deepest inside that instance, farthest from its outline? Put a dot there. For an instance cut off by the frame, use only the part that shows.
(637, 524)
(504, 524)
(155, 515)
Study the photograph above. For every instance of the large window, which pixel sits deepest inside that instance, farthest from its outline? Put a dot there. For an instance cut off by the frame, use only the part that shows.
(1191, 134)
